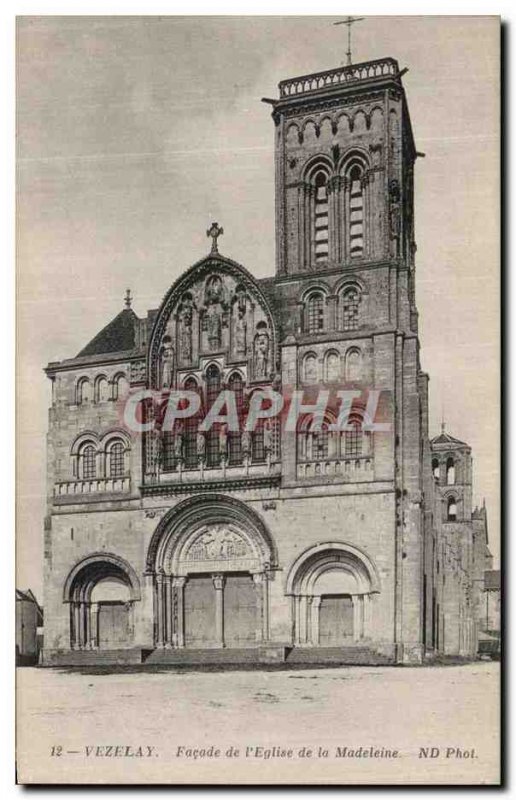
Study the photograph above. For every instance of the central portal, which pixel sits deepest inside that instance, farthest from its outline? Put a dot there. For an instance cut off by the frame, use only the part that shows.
(220, 611)
(211, 560)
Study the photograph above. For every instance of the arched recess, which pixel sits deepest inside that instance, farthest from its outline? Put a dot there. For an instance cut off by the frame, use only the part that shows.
(101, 619)
(332, 586)
(211, 557)
(315, 209)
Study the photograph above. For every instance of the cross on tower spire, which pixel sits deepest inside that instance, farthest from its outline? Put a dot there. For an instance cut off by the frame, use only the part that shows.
(128, 298)
(214, 231)
(349, 21)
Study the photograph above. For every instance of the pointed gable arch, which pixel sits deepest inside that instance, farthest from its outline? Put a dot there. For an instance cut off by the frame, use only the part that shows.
(210, 280)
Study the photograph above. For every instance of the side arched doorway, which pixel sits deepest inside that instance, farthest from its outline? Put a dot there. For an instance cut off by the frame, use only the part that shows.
(101, 591)
(211, 559)
(332, 587)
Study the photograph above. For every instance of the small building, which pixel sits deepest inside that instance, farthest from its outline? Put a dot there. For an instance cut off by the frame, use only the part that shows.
(29, 617)
(490, 615)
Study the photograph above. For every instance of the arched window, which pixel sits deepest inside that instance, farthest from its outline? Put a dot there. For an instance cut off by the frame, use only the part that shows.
(353, 365)
(356, 212)
(320, 442)
(435, 468)
(321, 216)
(88, 464)
(191, 425)
(310, 368)
(350, 302)
(101, 390)
(120, 387)
(451, 510)
(83, 391)
(315, 313)
(115, 459)
(353, 439)
(213, 383)
(236, 385)
(332, 367)
(450, 471)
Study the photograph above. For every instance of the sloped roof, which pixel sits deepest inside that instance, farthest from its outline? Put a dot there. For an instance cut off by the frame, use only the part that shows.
(445, 440)
(117, 336)
(492, 579)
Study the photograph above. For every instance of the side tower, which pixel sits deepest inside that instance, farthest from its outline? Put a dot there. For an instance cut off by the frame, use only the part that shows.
(456, 609)
(344, 170)
(344, 293)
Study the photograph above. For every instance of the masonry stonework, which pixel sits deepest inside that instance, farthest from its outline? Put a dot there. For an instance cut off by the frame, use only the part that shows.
(352, 545)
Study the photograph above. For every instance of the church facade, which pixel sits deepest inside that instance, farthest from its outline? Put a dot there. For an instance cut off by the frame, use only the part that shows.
(359, 545)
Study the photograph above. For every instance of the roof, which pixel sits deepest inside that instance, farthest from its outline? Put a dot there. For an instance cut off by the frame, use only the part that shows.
(447, 441)
(492, 579)
(28, 597)
(118, 335)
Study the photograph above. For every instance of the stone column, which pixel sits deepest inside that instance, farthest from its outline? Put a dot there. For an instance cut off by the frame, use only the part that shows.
(160, 633)
(178, 585)
(218, 582)
(316, 605)
(267, 577)
(168, 610)
(258, 580)
(297, 618)
(87, 625)
(309, 622)
(76, 613)
(82, 626)
(94, 613)
(356, 600)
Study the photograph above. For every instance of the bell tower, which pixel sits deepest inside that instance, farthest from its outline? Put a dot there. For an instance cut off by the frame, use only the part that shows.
(344, 170)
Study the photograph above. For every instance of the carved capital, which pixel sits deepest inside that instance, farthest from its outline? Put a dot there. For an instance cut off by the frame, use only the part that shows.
(218, 582)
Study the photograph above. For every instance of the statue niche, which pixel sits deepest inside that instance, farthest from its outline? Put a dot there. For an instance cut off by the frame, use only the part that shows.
(167, 362)
(261, 351)
(185, 318)
(240, 323)
(214, 317)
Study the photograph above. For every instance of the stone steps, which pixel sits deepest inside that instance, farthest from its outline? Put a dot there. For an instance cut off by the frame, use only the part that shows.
(270, 654)
(231, 655)
(350, 654)
(78, 658)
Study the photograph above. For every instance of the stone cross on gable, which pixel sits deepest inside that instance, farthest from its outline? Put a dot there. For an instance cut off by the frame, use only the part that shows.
(214, 231)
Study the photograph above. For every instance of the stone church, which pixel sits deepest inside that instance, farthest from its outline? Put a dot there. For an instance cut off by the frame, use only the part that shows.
(352, 546)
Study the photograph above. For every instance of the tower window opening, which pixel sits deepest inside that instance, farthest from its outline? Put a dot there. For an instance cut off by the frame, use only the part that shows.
(356, 212)
(321, 217)
(435, 469)
(315, 313)
(350, 302)
(450, 472)
(452, 510)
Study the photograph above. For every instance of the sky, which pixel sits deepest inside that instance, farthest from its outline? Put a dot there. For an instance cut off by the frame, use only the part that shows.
(134, 133)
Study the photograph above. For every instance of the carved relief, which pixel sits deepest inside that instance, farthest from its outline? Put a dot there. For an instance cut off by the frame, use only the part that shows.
(218, 311)
(219, 543)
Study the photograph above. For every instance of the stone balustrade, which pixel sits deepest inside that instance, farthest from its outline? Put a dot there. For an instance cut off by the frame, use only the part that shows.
(92, 486)
(334, 77)
(356, 468)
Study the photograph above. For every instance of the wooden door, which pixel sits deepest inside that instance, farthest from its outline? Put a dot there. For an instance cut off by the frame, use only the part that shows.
(199, 610)
(240, 611)
(335, 620)
(113, 625)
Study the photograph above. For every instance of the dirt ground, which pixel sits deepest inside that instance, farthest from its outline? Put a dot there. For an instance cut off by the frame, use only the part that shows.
(341, 725)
